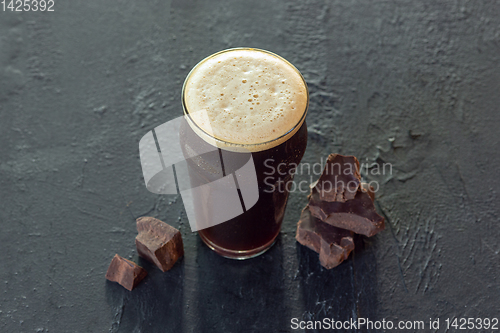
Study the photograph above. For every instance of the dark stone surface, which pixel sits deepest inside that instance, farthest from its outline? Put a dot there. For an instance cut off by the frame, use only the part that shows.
(414, 84)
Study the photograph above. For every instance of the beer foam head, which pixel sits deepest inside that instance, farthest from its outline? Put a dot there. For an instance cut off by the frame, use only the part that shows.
(250, 97)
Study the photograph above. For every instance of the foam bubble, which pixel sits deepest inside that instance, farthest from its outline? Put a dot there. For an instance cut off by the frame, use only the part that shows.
(251, 97)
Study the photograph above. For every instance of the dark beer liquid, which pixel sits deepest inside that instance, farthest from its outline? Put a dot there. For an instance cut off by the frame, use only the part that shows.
(255, 230)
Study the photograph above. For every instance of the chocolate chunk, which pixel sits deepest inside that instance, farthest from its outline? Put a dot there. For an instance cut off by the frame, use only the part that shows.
(333, 244)
(340, 179)
(358, 215)
(125, 272)
(158, 242)
(367, 188)
(339, 204)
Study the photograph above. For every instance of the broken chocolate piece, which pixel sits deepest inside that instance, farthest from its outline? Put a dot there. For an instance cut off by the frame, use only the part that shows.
(125, 272)
(340, 179)
(339, 204)
(367, 188)
(158, 242)
(358, 215)
(333, 244)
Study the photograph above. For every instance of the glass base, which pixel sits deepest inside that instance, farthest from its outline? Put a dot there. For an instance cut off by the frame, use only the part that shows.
(238, 255)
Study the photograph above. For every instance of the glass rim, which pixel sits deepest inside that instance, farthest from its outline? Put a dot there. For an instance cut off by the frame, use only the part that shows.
(243, 145)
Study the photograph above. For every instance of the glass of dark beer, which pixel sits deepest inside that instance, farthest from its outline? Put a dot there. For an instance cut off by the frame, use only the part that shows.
(256, 103)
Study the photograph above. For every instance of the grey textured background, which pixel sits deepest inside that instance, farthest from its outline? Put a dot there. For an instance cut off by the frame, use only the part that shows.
(412, 83)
